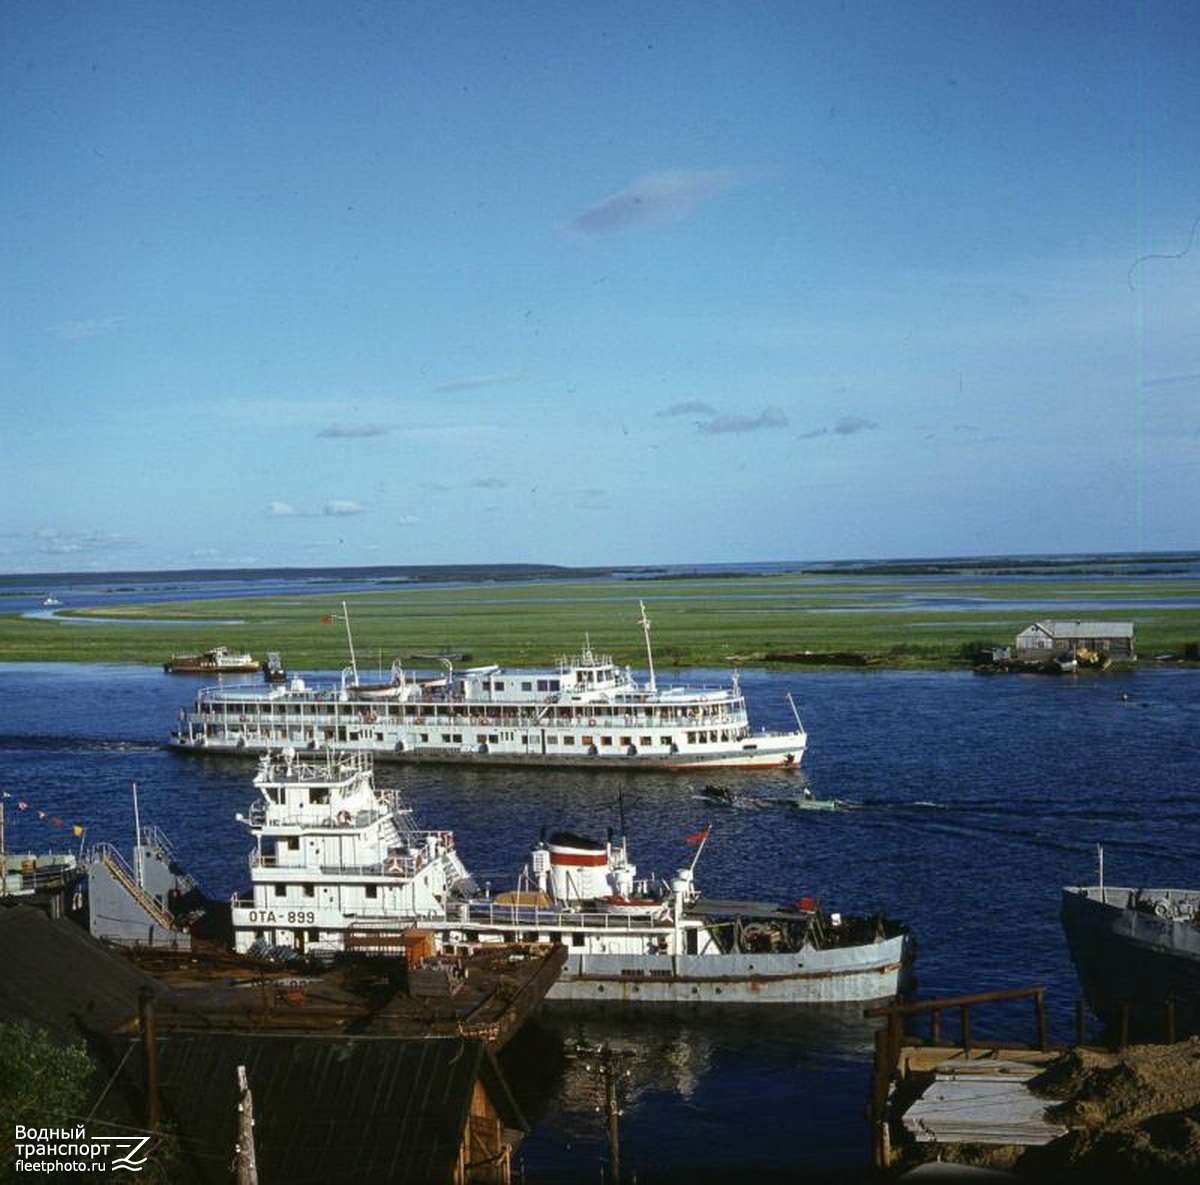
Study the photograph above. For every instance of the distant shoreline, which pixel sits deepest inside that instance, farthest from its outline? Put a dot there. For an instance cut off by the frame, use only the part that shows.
(882, 616)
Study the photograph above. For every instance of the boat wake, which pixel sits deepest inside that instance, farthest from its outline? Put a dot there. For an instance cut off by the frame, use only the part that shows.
(44, 743)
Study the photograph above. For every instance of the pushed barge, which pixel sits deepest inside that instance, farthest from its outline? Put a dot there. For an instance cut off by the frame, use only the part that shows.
(584, 712)
(1137, 950)
(338, 865)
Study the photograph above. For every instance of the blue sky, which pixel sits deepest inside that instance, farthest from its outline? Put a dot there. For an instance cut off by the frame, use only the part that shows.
(316, 284)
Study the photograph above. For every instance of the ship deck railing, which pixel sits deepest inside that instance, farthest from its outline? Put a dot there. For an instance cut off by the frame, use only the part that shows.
(556, 917)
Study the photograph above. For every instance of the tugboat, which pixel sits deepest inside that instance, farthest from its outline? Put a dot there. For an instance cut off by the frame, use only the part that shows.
(339, 865)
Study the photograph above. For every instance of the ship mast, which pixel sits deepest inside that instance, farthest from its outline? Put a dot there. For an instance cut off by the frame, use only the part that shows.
(649, 653)
(345, 616)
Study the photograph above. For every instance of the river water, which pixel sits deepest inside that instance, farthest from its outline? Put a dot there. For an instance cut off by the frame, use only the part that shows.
(977, 799)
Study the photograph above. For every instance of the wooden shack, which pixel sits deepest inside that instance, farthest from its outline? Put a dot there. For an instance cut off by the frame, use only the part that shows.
(1045, 640)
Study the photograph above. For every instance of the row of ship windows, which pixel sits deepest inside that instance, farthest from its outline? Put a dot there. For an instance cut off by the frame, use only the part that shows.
(396, 711)
(310, 891)
(701, 737)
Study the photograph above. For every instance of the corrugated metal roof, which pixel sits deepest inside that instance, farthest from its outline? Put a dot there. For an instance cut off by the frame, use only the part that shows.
(1087, 629)
(327, 1109)
(57, 976)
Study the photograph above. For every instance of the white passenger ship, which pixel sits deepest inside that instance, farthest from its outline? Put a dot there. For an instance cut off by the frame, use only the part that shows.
(338, 866)
(585, 711)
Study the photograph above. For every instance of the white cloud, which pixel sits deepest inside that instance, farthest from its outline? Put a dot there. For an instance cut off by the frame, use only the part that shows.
(79, 330)
(342, 507)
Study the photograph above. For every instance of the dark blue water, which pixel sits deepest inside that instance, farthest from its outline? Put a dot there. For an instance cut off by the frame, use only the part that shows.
(980, 797)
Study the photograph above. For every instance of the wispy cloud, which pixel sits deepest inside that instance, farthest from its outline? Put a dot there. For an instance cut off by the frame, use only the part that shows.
(1172, 380)
(95, 327)
(53, 541)
(656, 199)
(474, 382)
(334, 508)
(769, 418)
(689, 407)
(353, 431)
(489, 483)
(845, 426)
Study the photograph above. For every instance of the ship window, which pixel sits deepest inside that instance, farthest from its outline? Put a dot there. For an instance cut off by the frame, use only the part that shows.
(576, 939)
(372, 891)
(568, 740)
(606, 740)
(627, 740)
(310, 890)
(293, 843)
(526, 686)
(632, 973)
(424, 736)
(587, 740)
(281, 890)
(314, 935)
(318, 796)
(543, 685)
(647, 740)
(497, 684)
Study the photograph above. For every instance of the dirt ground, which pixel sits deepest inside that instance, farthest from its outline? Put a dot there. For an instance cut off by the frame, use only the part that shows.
(1134, 1115)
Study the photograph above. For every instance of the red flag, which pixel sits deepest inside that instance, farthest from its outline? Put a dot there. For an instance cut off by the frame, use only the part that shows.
(699, 837)
(327, 619)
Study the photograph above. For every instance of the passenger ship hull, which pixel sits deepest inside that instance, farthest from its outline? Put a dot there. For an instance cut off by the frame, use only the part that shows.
(761, 757)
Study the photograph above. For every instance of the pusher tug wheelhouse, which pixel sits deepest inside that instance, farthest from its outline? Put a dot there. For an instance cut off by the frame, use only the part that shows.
(339, 866)
(583, 712)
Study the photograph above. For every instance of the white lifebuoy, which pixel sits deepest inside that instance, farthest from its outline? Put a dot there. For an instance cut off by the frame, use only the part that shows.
(343, 818)
(592, 722)
(394, 866)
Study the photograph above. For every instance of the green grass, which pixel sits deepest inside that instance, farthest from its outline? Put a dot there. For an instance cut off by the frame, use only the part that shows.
(696, 621)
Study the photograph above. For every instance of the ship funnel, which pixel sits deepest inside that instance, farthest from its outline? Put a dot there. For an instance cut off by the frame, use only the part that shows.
(578, 868)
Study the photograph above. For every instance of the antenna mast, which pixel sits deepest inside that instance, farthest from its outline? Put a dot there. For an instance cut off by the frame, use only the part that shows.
(649, 653)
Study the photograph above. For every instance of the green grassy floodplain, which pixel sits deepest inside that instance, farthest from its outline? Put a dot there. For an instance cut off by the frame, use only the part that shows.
(697, 621)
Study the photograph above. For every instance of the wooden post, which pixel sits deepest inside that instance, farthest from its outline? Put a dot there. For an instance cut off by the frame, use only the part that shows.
(614, 1113)
(149, 1056)
(935, 1026)
(247, 1166)
(965, 1013)
(1039, 1004)
(1080, 1024)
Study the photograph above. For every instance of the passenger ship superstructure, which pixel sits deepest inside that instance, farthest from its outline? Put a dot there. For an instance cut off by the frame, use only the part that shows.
(585, 711)
(338, 866)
